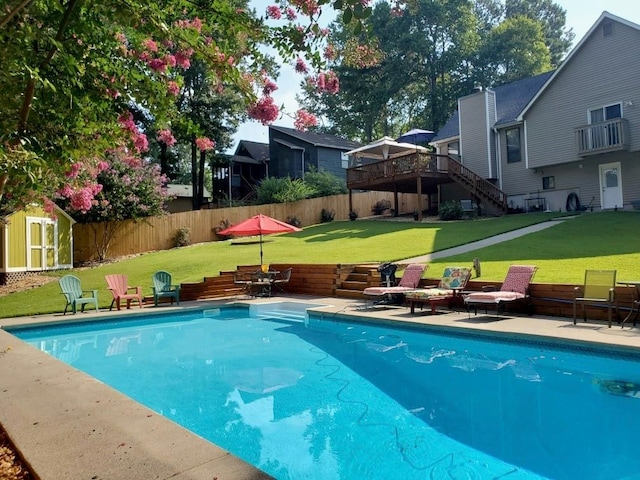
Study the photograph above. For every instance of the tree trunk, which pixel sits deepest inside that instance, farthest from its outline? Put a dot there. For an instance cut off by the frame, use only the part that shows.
(203, 156)
(194, 174)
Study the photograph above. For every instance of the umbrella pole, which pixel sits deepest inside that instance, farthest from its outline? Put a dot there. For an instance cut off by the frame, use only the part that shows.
(261, 250)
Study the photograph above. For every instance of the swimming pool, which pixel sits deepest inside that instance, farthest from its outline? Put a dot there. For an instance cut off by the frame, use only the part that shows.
(316, 398)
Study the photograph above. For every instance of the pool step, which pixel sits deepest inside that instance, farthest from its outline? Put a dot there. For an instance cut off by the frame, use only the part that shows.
(283, 314)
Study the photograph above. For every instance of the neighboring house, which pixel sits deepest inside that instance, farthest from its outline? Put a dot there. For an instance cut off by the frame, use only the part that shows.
(292, 153)
(250, 164)
(563, 139)
(32, 241)
(182, 198)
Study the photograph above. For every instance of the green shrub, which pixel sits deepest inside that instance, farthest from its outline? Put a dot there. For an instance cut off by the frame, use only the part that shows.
(294, 220)
(325, 183)
(327, 215)
(182, 238)
(281, 190)
(451, 210)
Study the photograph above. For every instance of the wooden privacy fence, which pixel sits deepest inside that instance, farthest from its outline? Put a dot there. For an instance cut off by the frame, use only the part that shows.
(158, 233)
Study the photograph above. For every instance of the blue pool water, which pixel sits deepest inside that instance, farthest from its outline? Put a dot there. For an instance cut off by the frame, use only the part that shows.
(312, 398)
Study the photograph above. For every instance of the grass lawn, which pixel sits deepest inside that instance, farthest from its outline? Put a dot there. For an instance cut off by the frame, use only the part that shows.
(593, 240)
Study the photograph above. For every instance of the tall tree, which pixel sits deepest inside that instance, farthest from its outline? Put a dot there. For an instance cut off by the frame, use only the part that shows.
(513, 50)
(553, 19)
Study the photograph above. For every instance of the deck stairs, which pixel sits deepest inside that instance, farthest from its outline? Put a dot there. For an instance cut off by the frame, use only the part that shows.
(482, 190)
(354, 279)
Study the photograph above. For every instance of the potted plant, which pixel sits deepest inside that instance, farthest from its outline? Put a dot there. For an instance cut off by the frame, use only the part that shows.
(353, 215)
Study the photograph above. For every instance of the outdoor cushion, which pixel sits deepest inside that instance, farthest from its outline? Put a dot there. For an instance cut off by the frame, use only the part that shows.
(514, 287)
(518, 279)
(428, 293)
(493, 297)
(455, 277)
(409, 281)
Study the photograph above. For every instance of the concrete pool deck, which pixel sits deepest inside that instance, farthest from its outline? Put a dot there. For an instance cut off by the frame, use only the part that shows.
(68, 425)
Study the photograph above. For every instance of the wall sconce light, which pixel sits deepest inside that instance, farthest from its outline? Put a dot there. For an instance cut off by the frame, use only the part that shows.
(628, 103)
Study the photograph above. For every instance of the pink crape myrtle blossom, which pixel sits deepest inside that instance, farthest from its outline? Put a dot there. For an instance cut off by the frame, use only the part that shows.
(330, 52)
(102, 165)
(205, 144)
(150, 45)
(291, 14)
(195, 24)
(328, 82)
(83, 199)
(157, 64)
(269, 87)
(301, 67)
(74, 170)
(169, 60)
(265, 111)
(165, 136)
(183, 58)
(141, 143)
(274, 12)
(127, 123)
(304, 120)
(308, 7)
(173, 88)
(50, 208)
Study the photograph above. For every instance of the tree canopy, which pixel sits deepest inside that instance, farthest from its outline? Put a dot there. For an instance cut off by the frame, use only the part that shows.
(81, 78)
(430, 53)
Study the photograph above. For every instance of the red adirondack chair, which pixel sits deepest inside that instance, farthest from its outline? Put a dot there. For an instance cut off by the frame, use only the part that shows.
(119, 289)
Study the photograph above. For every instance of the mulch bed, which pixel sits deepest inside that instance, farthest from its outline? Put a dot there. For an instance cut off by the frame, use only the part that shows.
(11, 466)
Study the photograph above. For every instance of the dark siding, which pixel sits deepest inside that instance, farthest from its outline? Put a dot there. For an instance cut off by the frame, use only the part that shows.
(330, 160)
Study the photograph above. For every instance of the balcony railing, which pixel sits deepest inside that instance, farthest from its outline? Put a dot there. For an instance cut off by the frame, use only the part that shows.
(602, 137)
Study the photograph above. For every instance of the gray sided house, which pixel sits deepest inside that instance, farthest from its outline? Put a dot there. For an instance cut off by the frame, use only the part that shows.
(292, 153)
(566, 139)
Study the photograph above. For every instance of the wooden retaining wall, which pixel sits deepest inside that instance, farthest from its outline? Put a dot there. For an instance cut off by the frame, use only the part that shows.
(322, 280)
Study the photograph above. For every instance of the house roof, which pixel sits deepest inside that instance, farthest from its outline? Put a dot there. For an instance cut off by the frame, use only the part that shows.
(572, 53)
(318, 139)
(178, 190)
(449, 130)
(511, 98)
(256, 150)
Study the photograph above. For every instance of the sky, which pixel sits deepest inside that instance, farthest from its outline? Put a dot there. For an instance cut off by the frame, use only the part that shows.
(581, 15)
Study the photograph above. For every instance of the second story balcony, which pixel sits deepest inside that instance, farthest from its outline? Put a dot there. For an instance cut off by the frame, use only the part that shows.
(602, 137)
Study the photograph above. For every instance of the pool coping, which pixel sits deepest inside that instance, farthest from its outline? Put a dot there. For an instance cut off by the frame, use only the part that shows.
(67, 424)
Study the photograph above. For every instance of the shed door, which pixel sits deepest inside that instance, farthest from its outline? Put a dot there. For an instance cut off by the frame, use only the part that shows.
(42, 252)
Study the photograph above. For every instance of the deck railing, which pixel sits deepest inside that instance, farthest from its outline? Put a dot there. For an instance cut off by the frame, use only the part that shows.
(407, 164)
(602, 137)
(424, 164)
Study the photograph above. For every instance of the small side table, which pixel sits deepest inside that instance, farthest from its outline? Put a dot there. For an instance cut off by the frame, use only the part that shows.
(635, 300)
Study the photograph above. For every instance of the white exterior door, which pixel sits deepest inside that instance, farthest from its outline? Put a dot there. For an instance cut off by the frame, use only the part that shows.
(610, 185)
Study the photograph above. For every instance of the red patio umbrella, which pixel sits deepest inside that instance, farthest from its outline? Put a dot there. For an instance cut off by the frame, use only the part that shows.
(259, 225)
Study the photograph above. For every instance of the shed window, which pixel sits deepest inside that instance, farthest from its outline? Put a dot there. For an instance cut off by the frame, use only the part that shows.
(513, 145)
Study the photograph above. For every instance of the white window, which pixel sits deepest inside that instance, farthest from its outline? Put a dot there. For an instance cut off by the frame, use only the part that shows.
(345, 160)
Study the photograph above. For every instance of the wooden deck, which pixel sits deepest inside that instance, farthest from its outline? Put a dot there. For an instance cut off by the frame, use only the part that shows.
(421, 173)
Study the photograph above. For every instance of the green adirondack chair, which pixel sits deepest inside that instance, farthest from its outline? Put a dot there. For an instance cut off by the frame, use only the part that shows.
(73, 293)
(162, 287)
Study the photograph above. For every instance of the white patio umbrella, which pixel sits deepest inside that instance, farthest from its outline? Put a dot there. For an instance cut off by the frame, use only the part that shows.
(385, 148)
